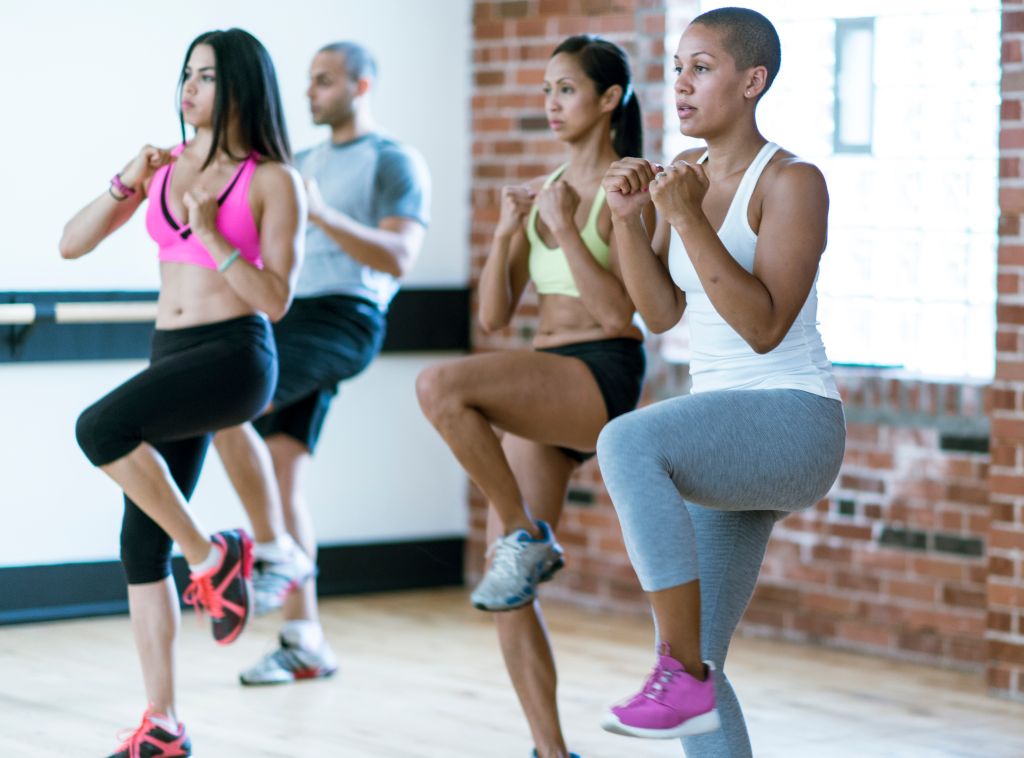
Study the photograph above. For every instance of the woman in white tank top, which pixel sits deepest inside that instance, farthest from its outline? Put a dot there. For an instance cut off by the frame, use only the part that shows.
(699, 480)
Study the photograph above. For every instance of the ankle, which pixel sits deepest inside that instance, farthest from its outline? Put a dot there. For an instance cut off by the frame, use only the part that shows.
(210, 562)
(276, 549)
(304, 633)
(164, 718)
(696, 669)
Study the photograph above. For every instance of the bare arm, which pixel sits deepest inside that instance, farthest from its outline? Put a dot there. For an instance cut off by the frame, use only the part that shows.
(282, 237)
(642, 260)
(601, 291)
(506, 270)
(392, 246)
(761, 306)
(106, 214)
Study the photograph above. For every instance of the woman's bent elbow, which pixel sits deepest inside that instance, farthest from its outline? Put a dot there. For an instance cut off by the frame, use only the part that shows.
(68, 249)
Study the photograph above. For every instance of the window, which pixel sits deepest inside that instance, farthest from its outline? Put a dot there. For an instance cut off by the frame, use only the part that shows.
(909, 276)
(854, 85)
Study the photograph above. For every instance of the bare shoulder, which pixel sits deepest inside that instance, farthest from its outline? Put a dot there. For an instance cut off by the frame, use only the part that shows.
(273, 176)
(787, 173)
(691, 155)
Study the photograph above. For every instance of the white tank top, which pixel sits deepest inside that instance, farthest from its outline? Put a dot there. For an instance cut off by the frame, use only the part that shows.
(721, 359)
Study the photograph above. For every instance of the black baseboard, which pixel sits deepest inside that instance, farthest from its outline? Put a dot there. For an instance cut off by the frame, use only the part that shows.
(79, 590)
(419, 320)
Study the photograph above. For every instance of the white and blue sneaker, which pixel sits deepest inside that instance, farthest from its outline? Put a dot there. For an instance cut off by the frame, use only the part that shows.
(519, 563)
(277, 571)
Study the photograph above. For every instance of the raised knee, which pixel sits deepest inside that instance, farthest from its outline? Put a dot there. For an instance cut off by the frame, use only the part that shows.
(434, 391)
(88, 432)
(614, 438)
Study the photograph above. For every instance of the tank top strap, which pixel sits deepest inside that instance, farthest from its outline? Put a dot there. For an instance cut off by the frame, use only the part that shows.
(752, 174)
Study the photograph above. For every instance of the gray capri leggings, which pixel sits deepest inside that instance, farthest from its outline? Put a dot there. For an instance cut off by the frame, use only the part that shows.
(698, 481)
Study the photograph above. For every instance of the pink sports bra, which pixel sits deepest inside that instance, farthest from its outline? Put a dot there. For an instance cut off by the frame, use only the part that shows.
(176, 242)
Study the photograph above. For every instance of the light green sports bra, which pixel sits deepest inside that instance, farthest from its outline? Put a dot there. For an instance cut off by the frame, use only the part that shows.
(548, 267)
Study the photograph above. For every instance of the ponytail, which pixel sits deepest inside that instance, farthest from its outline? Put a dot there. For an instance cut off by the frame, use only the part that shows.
(628, 127)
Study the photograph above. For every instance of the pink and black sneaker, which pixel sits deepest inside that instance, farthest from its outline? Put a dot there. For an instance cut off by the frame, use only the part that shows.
(671, 704)
(152, 741)
(225, 592)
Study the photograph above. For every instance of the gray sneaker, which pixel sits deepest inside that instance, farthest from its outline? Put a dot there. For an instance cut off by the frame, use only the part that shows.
(291, 663)
(273, 580)
(519, 562)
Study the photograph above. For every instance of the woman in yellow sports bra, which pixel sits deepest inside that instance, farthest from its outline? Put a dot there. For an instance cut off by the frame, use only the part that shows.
(587, 366)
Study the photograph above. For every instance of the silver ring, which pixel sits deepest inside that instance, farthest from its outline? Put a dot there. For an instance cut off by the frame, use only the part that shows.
(660, 175)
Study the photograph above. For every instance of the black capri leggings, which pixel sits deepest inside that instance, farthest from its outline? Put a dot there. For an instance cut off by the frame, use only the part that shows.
(199, 380)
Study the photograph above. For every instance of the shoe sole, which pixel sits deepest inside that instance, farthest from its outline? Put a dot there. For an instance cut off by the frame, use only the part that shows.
(706, 722)
(300, 677)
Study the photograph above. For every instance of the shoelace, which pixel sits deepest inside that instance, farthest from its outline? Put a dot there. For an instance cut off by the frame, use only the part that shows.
(201, 594)
(656, 684)
(504, 551)
(133, 739)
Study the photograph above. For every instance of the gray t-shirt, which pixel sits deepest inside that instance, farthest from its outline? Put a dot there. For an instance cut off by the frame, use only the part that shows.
(370, 178)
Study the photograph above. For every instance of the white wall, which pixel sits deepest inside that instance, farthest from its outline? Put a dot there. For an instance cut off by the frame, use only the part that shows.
(86, 85)
(381, 472)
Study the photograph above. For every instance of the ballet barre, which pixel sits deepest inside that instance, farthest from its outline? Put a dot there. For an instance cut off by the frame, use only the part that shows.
(22, 318)
(122, 312)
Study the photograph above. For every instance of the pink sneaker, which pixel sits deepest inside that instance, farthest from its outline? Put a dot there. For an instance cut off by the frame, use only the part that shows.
(671, 704)
(225, 592)
(151, 741)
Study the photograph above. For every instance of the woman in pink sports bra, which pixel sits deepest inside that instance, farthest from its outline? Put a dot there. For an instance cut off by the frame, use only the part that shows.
(226, 211)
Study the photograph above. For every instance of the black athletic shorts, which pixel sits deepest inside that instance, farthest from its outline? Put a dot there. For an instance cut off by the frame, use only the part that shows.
(618, 367)
(321, 342)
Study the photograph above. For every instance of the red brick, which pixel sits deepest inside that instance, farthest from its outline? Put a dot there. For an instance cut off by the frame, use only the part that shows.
(1006, 652)
(1013, 21)
(833, 604)
(911, 590)
(999, 677)
(938, 568)
(1002, 595)
(1000, 566)
(489, 30)
(1008, 429)
(554, 7)
(868, 634)
(999, 621)
(1000, 538)
(963, 598)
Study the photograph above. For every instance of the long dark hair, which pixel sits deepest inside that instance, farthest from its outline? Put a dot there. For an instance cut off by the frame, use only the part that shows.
(606, 64)
(246, 90)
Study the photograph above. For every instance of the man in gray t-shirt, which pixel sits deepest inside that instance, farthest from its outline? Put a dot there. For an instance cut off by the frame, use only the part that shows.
(369, 200)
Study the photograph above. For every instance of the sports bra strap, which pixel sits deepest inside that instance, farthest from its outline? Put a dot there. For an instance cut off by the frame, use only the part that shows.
(595, 209)
(557, 173)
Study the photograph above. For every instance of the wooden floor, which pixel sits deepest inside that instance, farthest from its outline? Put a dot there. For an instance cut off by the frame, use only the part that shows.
(422, 678)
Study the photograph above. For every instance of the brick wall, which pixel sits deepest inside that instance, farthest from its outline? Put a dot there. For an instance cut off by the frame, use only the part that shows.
(1005, 625)
(917, 552)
